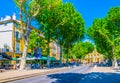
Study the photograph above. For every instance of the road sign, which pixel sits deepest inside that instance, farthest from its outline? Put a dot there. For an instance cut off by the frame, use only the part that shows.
(37, 53)
(1, 57)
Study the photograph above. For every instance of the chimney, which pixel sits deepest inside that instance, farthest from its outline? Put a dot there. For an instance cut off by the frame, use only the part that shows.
(1, 19)
(14, 16)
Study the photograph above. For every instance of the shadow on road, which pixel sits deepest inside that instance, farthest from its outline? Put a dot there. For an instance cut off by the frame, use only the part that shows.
(94, 77)
(66, 77)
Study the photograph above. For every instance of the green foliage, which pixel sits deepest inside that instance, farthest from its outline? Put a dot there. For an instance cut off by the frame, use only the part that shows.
(47, 21)
(117, 52)
(106, 33)
(36, 41)
(19, 2)
(74, 25)
(61, 22)
(47, 18)
(100, 35)
(71, 26)
(28, 8)
(80, 49)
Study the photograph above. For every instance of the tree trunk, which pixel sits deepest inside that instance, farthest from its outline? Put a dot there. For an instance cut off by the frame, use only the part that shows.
(110, 60)
(67, 55)
(48, 51)
(67, 59)
(48, 56)
(114, 61)
(26, 37)
(60, 55)
(23, 59)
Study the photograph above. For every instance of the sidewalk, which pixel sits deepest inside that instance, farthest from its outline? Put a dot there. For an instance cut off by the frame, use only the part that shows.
(105, 70)
(17, 74)
(96, 74)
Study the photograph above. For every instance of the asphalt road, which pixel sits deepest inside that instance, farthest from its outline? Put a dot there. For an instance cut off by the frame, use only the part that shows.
(73, 75)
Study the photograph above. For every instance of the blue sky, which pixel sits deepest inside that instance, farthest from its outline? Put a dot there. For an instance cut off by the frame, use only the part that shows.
(90, 9)
(7, 7)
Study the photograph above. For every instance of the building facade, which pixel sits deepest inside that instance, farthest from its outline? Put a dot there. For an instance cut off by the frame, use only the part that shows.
(12, 43)
(93, 57)
(55, 50)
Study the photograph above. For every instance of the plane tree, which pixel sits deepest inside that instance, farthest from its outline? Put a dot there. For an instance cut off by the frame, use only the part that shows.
(69, 28)
(74, 29)
(70, 23)
(106, 34)
(28, 11)
(47, 22)
(62, 23)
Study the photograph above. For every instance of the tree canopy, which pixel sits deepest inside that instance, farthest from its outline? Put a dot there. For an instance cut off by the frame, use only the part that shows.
(28, 11)
(80, 49)
(35, 40)
(106, 33)
(62, 23)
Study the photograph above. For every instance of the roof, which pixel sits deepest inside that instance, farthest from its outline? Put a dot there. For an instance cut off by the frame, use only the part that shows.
(17, 21)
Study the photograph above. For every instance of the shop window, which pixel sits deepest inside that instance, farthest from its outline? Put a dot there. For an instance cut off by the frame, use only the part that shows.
(17, 35)
(6, 48)
(17, 25)
(17, 47)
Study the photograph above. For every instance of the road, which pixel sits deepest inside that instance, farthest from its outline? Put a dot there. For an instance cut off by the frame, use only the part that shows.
(73, 75)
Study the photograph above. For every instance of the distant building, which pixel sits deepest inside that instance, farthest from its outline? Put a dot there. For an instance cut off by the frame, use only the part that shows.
(55, 50)
(93, 57)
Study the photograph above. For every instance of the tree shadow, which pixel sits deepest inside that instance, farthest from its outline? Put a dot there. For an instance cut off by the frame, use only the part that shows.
(94, 77)
(65, 77)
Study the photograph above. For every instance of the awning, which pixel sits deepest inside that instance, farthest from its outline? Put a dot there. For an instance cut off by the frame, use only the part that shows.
(52, 59)
(45, 58)
(16, 58)
(32, 58)
(4, 55)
